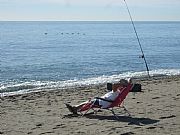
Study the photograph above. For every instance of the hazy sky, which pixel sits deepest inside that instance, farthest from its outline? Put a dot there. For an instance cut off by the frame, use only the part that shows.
(115, 10)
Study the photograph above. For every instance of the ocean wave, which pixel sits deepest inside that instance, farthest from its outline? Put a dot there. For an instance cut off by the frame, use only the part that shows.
(32, 86)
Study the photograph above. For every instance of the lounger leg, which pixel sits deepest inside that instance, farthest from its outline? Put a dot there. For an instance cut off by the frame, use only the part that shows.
(88, 109)
(126, 111)
(86, 112)
(95, 111)
(114, 113)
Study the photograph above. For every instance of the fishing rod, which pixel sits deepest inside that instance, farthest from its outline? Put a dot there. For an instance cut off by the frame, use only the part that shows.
(143, 56)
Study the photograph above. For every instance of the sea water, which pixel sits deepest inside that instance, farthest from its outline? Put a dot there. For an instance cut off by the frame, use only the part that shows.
(55, 55)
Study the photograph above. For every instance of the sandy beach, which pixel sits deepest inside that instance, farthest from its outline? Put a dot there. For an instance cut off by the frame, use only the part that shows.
(156, 110)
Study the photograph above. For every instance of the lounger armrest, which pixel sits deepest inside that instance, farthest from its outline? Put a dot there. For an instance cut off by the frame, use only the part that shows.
(104, 99)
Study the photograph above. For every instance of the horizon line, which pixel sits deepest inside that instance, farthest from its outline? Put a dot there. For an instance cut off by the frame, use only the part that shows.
(89, 21)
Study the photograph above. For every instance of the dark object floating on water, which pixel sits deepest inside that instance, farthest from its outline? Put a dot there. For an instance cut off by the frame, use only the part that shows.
(45, 33)
(72, 33)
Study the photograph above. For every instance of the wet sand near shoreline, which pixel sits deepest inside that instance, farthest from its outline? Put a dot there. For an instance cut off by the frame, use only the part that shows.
(155, 110)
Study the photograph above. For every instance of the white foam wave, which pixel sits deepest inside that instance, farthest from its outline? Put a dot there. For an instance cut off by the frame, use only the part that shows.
(25, 87)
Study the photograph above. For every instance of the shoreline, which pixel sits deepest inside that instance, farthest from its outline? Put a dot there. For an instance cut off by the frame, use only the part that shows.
(156, 109)
(137, 80)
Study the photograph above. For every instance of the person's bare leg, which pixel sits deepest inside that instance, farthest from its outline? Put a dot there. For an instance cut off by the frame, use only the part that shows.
(81, 104)
(75, 108)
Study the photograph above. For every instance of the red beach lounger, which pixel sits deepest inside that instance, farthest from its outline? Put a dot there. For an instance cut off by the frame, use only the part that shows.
(116, 103)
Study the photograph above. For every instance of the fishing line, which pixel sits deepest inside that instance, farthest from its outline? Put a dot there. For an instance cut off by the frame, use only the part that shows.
(143, 56)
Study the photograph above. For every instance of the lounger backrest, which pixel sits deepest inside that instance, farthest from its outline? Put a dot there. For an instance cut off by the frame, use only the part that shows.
(122, 95)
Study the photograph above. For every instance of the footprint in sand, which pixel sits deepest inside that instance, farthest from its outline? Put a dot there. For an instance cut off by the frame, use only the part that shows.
(59, 126)
(155, 97)
(151, 128)
(167, 117)
(39, 125)
(128, 133)
(48, 132)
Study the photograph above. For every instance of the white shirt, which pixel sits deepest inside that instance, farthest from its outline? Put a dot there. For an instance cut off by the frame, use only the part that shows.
(109, 96)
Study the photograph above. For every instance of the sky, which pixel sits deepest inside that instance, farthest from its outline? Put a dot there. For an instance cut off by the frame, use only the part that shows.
(89, 10)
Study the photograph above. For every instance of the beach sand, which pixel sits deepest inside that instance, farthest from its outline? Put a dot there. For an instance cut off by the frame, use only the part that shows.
(156, 110)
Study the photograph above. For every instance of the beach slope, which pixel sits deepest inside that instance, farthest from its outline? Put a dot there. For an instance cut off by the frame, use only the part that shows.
(155, 110)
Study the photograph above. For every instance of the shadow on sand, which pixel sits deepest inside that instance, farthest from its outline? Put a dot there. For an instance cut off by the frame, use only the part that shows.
(128, 119)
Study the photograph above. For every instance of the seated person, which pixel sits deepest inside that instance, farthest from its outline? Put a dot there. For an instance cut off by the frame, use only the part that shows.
(105, 100)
